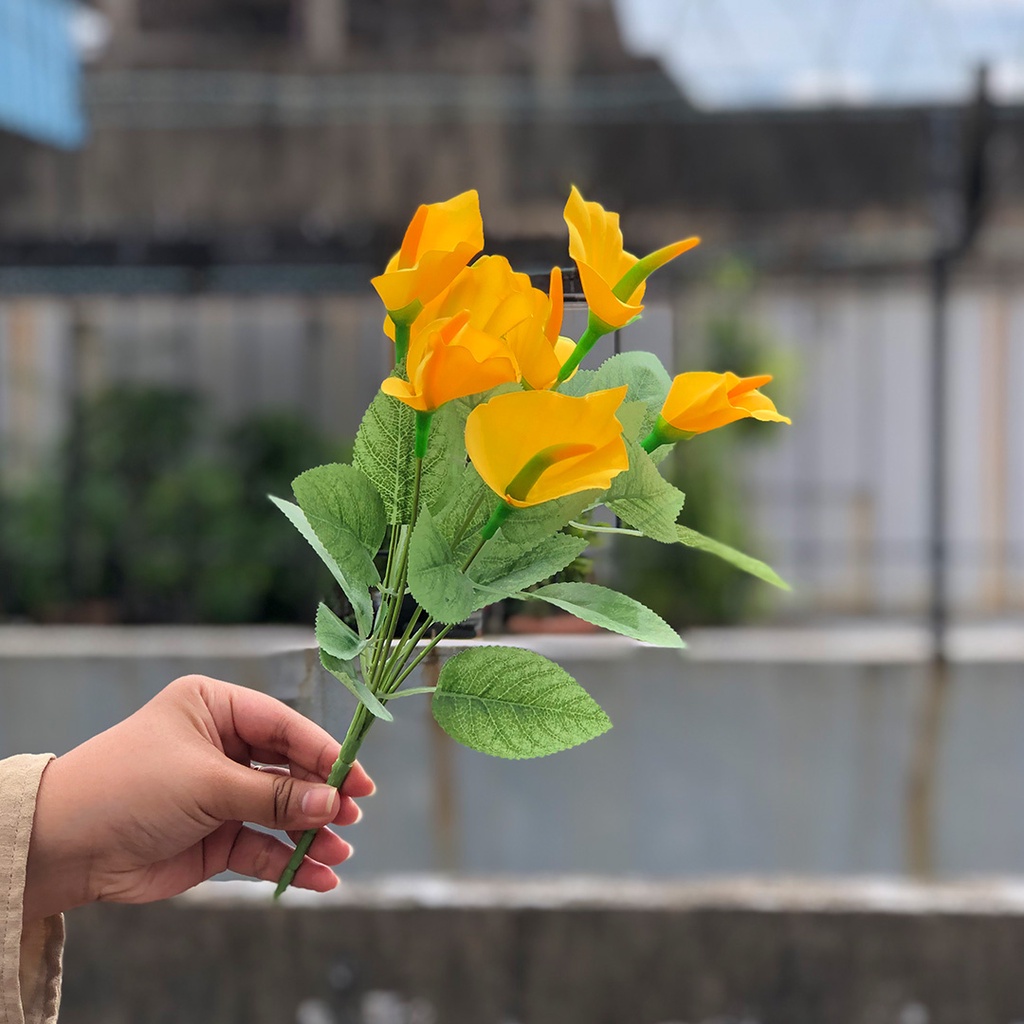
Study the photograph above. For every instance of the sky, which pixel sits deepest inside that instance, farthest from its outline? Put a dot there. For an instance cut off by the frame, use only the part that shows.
(806, 52)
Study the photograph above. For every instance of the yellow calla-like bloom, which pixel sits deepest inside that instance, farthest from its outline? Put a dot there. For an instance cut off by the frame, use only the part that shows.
(613, 280)
(535, 341)
(703, 401)
(533, 446)
(495, 296)
(440, 240)
(451, 359)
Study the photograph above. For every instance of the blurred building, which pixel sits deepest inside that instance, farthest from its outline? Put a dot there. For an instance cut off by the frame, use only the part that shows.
(251, 163)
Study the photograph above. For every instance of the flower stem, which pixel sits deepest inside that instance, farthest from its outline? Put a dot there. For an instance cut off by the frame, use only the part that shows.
(357, 730)
(401, 342)
(583, 346)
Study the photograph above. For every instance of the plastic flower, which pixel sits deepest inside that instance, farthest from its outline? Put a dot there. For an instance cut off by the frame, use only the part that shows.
(533, 446)
(536, 343)
(440, 240)
(451, 359)
(703, 401)
(495, 296)
(613, 280)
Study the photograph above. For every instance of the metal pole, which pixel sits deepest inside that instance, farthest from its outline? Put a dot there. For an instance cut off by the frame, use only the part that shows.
(958, 194)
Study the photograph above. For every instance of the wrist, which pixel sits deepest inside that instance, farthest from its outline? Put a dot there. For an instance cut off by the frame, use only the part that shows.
(57, 871)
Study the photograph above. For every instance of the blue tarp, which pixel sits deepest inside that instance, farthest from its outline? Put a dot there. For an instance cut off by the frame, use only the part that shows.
(40, 89)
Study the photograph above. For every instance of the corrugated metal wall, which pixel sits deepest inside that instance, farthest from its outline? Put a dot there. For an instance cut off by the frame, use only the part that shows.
(839, 501)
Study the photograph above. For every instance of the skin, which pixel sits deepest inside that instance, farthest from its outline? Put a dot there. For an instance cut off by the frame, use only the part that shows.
(156, 804)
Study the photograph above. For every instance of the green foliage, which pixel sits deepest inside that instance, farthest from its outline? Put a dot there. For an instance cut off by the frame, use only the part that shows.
(513, 703)
(610, 610)
(335, 637)
(435, 581)
(754, 566)
(385, 452)
(345, 672)
(530, 525)
(344, 509)
(648, 382)
(504, 568)
(155, 514)
(644, 498)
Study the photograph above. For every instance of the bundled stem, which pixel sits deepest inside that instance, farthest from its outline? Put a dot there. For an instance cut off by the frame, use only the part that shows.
(386, 673)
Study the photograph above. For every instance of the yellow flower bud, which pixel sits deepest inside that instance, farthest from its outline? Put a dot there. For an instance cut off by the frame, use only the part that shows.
(703, 401)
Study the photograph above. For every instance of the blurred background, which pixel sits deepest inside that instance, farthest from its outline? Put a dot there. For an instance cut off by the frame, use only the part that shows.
(193, 197)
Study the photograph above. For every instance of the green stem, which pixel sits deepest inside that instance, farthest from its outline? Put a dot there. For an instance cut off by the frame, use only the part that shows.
(593, 528)
(652, 441)
(357, 730)
(583, 346)
(401, 342)
(388, 598)
(461, 532)
(392, 684)
(412, 666)
(491, 527)
(401, 648)
(391, 623)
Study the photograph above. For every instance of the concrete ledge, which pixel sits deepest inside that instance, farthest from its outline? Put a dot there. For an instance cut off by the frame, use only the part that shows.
(567, 951)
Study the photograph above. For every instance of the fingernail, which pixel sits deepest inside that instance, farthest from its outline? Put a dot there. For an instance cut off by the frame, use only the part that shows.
(320, 801)
(359, 815)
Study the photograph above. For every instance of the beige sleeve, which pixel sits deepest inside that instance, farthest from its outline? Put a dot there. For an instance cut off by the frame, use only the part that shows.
(30, 957)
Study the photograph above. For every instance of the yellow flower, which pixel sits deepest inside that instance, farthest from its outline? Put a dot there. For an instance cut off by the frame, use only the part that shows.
(699, 402)
(495, 296)
(534, 446)
(535, 341)
(451, 359)
(613, 280)
(440, 240)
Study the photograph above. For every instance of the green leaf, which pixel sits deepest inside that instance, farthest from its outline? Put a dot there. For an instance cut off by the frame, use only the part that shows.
(385, 451)
(343, 508)
(345, 673)
(749, 564)
(513, 703)
(644, 498)
(466, 513)
(527, 526)
(503, 568)
(633, 416)
(357, 593)
(340, 497)
(335, 637)
(443, 592)
(610, 610)
(648, 382)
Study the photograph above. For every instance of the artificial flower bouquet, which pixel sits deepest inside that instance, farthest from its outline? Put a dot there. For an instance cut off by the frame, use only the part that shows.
(474, 469)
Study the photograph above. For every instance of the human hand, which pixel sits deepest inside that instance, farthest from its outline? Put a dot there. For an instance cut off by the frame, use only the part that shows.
(156, 804)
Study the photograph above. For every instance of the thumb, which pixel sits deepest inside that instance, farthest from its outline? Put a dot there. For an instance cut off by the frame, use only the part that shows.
(275, 801)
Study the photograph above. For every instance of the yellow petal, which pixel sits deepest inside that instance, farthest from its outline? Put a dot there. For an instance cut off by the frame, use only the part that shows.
(440, 240)
(506, 433)
(451, 359)
(702, 401)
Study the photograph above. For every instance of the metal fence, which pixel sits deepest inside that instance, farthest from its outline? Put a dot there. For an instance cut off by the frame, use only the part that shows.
(839, 502)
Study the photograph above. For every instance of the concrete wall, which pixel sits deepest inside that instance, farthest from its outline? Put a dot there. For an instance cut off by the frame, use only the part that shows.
(565, 952)
(760, 751)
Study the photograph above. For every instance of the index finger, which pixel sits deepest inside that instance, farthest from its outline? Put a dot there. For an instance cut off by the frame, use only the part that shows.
(276, 734)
